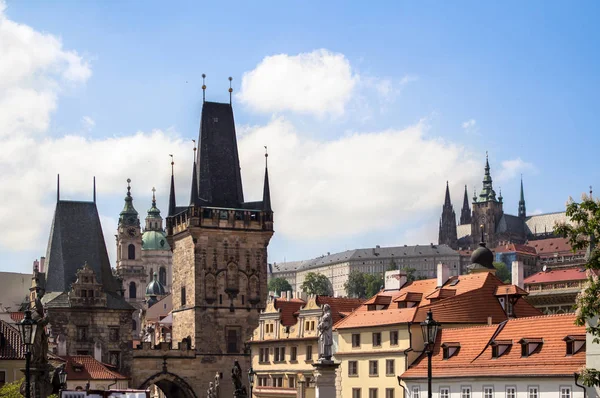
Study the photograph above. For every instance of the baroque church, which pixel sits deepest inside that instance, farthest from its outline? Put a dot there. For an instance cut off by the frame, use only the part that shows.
(487, 217)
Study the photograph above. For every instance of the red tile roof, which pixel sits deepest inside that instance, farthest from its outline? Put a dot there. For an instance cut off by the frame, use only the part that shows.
(85, 367)
(340, 305)
(503, 290)
(17, 316)
(557, 275)
(552, 245)
(475, 355)
(11, 346)
(361, 319)
(287, 308)
(515, 248)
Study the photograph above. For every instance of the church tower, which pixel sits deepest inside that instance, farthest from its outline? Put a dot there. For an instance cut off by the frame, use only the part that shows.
(522, 210)
(219, 245)
(447, 234)
(487, 210)
(465, 213)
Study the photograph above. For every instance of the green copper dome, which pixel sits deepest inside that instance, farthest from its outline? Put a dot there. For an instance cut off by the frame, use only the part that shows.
(155, 240)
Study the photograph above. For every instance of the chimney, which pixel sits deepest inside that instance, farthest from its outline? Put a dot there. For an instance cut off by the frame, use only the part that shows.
(489, 322)
(42, 263)
(443, 273)
(394, 280)
(517, 273)
(98, 351)
(36, 265)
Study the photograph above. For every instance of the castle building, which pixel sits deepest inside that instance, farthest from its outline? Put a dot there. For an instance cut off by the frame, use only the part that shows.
(88, 314)
(141, 254)
(488, 212)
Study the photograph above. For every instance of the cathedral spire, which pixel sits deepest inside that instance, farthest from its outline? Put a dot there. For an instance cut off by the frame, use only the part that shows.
(522, 210)
(465, 213)
(129, 215)
(447, 201)
(447, 233)
(266, 189)
(172, 192)
(487, 192)
(194, 190)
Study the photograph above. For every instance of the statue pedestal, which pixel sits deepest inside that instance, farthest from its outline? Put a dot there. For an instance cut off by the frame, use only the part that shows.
(325, 378)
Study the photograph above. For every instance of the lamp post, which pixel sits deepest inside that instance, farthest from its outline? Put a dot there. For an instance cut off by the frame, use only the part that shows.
(27, 328)
(251, 374)
(62, 378)
(429, 327)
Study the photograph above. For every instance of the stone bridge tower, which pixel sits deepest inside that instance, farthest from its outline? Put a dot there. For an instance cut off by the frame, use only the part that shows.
(219, 245)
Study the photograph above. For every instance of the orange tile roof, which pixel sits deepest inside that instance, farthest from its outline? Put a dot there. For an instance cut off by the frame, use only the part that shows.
(17, 316)
(13, 347)
(287, 308)
(376, 318)
(503, 290)
(474, 359)
(340, 305)
(557, 275)
(85, 367)
(552, 245)
(514, 247)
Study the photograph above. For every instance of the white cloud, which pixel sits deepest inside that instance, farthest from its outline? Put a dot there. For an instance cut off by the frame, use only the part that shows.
(34, 68)
(536, 212)
(88, 123)
(355, 184)
(469, 124)
(512, 168)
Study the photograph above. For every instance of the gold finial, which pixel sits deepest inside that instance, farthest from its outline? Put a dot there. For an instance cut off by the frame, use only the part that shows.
(230, 89)
(203, 88)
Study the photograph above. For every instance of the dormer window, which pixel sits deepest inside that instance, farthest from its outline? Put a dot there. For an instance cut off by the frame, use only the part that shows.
(575, 343)
(500, 347)
(450, 349)
(530, 345)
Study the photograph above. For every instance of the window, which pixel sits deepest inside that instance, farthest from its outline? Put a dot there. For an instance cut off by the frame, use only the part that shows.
(465, 392)
(488, 392)
(356, 393)
(444, 392)
(533, 392)
(415, 392)
(113, 334)
(389, 393)
(183, 295)
(133, 324)
(2, 377)
(376, 339)
(356, 340)
(115, 358)
(511, 392)
(131, 252)
(162, 276)
(82, 332)
(394, 338)
(263, 381)
(352, 368)
(278, 381)
(372, 393)
(374, 368)
(565, 392)
(291, 381)
(389, 367)
(309, 353)
(263, 355)
(232, 341)
(132, 290)
(279, 354)
(293, 353)
(312, 325)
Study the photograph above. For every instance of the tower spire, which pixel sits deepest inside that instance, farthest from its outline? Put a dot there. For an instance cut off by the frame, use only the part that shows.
(194, 190)
(203, 88)
(522, 209)
(57, 188)
(447, 201)
(172, 192)
(94, 189)
(129, 215)
(448, 234)
(465, 213)
(487, 192)
(266, 189)
(230, 89)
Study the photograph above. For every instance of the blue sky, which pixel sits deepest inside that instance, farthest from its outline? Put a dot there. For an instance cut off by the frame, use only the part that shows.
(367, 109)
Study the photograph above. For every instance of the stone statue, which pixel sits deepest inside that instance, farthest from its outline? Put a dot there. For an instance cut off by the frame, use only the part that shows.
(210, 393)
(239, 390)
(148, 333)
(39, 348)
(325, 334)
(217, 377)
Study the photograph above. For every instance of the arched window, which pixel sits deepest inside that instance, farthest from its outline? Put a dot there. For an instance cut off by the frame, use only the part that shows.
(133, 325)
(132, 290)
(162, 276)
(131, 252)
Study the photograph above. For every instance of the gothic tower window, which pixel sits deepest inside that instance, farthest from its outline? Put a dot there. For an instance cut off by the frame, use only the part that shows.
(183, 295)
(232, 341)
(131, 251)
(232, 277)
(162, 276)
(133, 324)
(132, 290)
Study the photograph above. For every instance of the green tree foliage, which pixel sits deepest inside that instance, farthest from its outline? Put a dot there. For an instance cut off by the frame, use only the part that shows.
(355, 285)
(11, 390)
(373, 284)
(503, 272)
(392, 266)
(279, 285)
(585, 217)
(315, 283)
(410, 274)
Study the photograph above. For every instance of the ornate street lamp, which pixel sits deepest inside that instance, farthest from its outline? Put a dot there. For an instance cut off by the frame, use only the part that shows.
(251, 374)
(429, 327)
(27, 328)
(62, 378)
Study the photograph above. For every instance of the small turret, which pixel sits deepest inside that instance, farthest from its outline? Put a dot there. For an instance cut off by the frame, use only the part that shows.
(266, 189)
(129, 215)
(172, 191)
(522, 209)
(465, 213)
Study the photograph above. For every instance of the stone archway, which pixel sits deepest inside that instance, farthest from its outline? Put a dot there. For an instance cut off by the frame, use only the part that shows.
(170, 384)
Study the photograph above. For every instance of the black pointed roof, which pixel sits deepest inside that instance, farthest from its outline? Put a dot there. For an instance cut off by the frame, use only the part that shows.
(266, 191)
(220, 181)
(76, 238)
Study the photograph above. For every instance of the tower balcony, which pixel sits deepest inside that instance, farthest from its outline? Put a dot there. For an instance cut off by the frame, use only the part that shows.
(220, 218)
